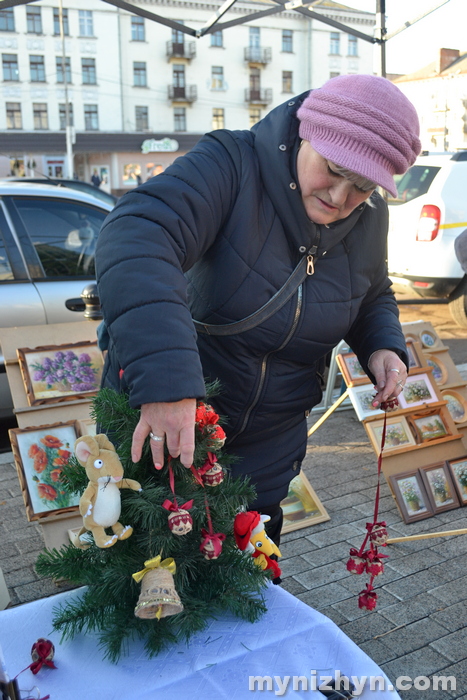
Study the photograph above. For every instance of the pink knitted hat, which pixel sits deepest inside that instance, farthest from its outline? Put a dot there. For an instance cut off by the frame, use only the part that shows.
(363, 123)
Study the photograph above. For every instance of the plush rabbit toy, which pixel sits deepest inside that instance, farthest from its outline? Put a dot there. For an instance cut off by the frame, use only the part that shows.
(100, 504)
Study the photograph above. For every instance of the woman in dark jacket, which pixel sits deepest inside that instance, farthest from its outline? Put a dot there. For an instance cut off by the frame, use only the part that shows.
(274, 240)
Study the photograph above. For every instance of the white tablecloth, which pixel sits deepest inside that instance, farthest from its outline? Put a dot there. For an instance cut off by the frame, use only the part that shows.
(292, 639)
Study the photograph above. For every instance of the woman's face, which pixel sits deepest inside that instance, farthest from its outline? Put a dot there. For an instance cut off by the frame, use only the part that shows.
(327, 196)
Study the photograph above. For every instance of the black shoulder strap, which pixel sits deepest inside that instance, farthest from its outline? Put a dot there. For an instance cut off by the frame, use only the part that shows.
(275, 303)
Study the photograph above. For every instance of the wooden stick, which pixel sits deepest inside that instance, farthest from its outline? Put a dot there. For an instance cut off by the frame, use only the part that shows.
(330, 410)
(426, 535)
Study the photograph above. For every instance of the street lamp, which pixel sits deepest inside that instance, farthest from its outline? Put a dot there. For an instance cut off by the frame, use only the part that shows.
(68, 127)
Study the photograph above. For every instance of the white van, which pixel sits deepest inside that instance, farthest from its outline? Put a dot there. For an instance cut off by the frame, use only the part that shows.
(425, 219)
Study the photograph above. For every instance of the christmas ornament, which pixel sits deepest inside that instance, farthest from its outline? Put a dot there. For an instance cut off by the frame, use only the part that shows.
(250, 536)
(158, 597)
(211, 544)
(214, 476)
(357, 563)
(42, 654)
(367, 598)
(378, 533)
(369, 561)
(100, 504)
(179, 520)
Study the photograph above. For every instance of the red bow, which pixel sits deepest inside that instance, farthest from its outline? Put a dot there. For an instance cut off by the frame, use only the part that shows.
(42, 652)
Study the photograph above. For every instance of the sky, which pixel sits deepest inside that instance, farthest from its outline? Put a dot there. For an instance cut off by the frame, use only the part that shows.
(418, 45)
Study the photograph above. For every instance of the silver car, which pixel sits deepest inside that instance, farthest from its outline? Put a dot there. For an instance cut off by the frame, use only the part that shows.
(47, 241)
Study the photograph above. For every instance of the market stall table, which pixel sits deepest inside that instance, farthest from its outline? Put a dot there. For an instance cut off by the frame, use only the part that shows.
(291, 639)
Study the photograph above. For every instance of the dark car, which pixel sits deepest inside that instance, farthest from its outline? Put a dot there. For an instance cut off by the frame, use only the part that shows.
(86, 187)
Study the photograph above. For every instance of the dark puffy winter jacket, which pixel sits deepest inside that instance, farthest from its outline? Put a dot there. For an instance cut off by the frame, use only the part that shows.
(215, 237)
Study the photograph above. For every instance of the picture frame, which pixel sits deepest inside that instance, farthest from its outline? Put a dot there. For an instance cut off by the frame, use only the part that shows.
(56, 373)
(439, 371)
(458, 469)
(414, 353)
(440, 487)
(351, 369)
(40, 452)
(429, 425)
(301, 507)
(428, 338)
(411, 496)
(398, 433)
(87, 426)
(417, 391)
(361, 398)
(456, 405)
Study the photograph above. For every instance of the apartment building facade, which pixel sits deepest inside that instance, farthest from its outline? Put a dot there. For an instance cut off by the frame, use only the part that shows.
(139, 93)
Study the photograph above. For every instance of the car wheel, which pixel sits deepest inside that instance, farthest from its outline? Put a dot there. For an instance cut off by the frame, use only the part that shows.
(458, 305)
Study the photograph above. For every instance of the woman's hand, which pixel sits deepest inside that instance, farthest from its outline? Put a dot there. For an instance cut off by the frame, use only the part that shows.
(174, 423)
(390, 374)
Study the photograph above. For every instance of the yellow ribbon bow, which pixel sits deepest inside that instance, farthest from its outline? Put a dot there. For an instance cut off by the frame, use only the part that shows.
(155, 563)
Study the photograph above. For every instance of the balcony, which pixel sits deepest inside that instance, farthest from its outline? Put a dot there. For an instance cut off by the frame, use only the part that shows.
(255, 54)
(183, 94)
(184, 49)
(258, 97)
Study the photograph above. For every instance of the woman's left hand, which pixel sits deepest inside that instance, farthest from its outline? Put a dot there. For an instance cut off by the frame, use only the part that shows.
(390, 374)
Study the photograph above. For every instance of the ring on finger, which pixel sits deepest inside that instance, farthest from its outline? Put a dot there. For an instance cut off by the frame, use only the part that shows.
(156, 438)
(400, 383)
(393, 369)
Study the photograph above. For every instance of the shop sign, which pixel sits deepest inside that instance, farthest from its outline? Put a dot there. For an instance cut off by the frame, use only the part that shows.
(153, 145)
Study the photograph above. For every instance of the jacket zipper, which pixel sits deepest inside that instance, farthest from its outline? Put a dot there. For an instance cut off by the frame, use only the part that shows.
(264, 363)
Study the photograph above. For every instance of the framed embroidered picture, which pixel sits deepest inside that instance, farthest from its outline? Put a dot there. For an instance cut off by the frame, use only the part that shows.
(361, 398)
(418, 390)
(414, 353)
(398, 433)
(439, 371)
(456, 405)
(351, 369)
(40, 454)
(57, 373)
(458, 469)
(440, 487)
(429, 426)
(301, 507)
(411, 496)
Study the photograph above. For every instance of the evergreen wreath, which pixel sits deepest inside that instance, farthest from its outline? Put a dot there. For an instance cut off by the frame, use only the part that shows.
(206, 587)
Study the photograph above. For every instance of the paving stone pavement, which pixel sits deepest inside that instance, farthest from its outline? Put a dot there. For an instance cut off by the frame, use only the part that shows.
(420, 624)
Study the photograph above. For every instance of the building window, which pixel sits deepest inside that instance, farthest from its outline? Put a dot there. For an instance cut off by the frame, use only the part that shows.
(37, 69)
(139, 74)
(287, 81)
(137, 29)
(352, 46)
(217, 78)
(255, 115)
(218, 121)
(62, 115)
(332, 74)
(13, 115)
(178, 75)
(85, 23)
(255, 82)
(88, 71)
(287, 40)
(7, 22)
(66, 28)
(178, 37)
(141, 118)
(217, 39)
(179, 119)
(254, 38)
(59, 68)
(335, 45)
(91, 119)
(34, 20)
(10, 66)
(41, 120)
